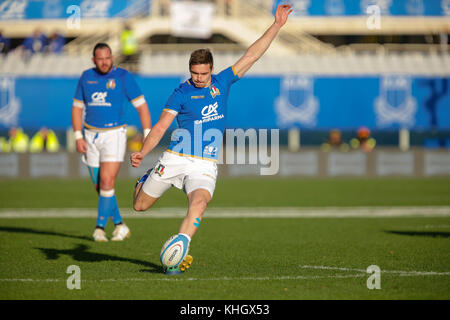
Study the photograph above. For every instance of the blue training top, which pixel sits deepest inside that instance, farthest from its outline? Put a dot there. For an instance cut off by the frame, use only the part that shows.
(201, 116)
(103, 96)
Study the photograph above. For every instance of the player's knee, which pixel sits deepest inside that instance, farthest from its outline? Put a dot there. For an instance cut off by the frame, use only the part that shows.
(106, 183)
(138, 206)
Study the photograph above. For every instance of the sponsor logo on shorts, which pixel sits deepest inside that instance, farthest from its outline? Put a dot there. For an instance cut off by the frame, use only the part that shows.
(209, 176)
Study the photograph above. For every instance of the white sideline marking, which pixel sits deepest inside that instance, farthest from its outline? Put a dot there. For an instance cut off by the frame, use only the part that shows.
(167, 278)
(401, 273)
(242, 212)
(362, 273)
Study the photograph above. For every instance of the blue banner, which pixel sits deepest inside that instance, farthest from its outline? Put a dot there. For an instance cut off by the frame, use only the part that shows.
(314, 102)
(62, 9)
(359, 7)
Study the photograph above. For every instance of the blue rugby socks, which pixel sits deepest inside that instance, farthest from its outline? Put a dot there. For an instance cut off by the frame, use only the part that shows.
(116, 217)
(107, 207)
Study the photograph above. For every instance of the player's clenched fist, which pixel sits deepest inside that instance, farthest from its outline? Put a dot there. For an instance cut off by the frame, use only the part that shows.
(136, 159)
(81, 146)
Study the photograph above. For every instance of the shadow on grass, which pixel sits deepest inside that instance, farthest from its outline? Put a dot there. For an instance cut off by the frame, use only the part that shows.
(81, 253)
(432, 234)
(41, 232)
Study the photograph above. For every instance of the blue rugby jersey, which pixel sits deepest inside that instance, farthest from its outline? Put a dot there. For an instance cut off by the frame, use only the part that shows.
(103, 97)
(201, 114)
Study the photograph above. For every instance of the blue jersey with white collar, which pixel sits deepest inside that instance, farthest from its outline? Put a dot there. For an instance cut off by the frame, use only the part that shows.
(201, 114)
(104, 95)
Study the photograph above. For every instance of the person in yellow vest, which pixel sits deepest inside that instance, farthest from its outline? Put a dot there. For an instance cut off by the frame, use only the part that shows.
(134, 139)
(44, 140)
(334, 142)
(18, 140)
(129, 45)
(363, 140)
(5, 146)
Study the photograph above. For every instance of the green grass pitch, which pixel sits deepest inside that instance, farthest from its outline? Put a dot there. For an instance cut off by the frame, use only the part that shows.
(234, 258)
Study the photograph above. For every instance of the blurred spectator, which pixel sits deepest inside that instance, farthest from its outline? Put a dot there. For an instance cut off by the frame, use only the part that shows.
(44, 140)
(335, 142)
(129, 44)
(5, 146)
(134, 139)
(164, 7)
(228, 7)
(56, 43)
(443, 39)
(363, 140)
(18, 140)
(5, 43)
(33, 44)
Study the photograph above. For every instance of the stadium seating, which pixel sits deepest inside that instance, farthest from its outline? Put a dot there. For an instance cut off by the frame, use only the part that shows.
(336, 64)
(175, 63)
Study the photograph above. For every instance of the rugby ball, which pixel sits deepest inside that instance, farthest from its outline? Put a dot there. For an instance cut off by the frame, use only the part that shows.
(174, 250)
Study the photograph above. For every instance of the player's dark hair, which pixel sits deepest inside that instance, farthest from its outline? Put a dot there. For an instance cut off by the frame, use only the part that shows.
(201, 56)
(100, 45)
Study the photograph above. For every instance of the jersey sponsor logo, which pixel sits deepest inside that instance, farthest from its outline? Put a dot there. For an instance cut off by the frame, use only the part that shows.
(111, 84)
(197, 97)
(91, 82)
(210, 113)
(99, 100)
(210, 151)
(210, 110)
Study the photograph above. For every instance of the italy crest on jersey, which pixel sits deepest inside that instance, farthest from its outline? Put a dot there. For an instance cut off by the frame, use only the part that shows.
(214, 91)
(111, 84)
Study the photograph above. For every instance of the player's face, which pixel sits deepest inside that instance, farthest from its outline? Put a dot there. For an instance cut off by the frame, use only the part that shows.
(201, 75)
(103, 60)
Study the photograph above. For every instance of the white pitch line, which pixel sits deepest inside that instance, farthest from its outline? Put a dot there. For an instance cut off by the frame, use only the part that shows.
(194, 279)
(401, 273)
(242, 212)
(335, 276)
(362, 273)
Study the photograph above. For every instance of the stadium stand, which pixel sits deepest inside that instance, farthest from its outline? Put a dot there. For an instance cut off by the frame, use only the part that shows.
(298, 43)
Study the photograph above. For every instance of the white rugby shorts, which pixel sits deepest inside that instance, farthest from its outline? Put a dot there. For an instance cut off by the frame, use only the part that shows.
(183, 172)
(105, 146)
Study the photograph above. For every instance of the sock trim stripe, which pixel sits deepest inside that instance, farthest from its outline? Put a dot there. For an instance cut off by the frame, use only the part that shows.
(107, 193)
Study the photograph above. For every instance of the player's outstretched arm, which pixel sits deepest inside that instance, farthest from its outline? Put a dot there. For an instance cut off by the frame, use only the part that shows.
(153, 138)
(257, 49)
